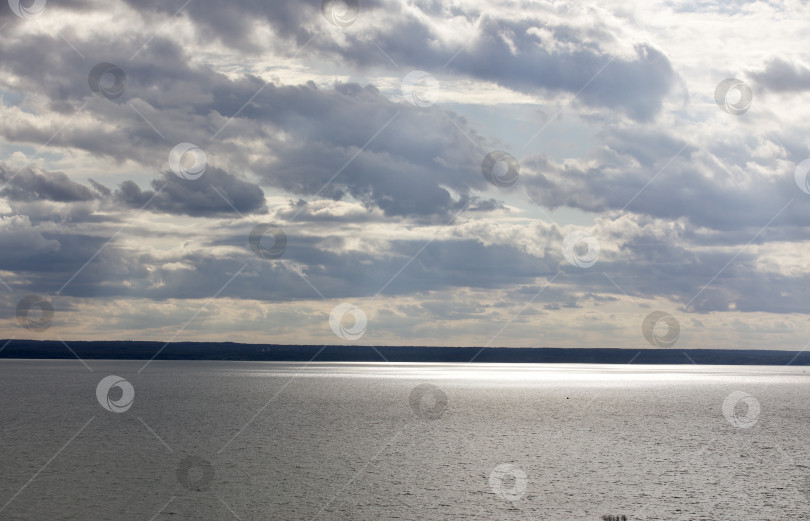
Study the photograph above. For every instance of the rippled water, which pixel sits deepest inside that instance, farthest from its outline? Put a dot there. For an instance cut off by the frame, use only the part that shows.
(248, 440)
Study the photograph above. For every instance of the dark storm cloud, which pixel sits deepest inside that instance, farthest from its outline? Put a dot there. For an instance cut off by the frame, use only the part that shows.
(29, 184)
(781, 75)
(216, 192)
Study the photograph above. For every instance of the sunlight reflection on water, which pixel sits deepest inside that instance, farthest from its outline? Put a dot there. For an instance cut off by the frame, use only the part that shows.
(608, 375)
(407, 441)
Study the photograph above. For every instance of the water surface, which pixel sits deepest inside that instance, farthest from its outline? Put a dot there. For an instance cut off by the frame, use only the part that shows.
(270, 440)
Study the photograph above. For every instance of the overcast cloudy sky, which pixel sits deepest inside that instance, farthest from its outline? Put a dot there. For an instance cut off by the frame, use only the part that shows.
(499, 173)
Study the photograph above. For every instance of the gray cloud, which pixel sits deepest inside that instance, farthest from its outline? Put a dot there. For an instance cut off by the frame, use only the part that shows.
(216, 192)
(656, 174)
(781, 75)
(402, 159)
(351, 173)
(510, 53)
(29, 184)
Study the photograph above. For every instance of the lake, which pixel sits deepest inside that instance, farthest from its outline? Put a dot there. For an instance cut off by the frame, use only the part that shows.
(267, 440)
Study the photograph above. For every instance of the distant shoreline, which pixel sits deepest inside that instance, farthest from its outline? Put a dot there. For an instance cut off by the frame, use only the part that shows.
(136, 350)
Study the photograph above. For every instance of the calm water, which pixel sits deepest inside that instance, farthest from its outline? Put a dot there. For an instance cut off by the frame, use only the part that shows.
(247, 440)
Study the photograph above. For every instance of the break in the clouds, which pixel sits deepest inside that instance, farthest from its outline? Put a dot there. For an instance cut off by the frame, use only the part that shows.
(466, 173)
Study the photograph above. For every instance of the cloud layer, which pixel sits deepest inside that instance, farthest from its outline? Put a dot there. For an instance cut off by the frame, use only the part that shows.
(677, 203)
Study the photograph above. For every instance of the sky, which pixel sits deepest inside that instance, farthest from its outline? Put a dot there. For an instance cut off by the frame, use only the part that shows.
(458, 173)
